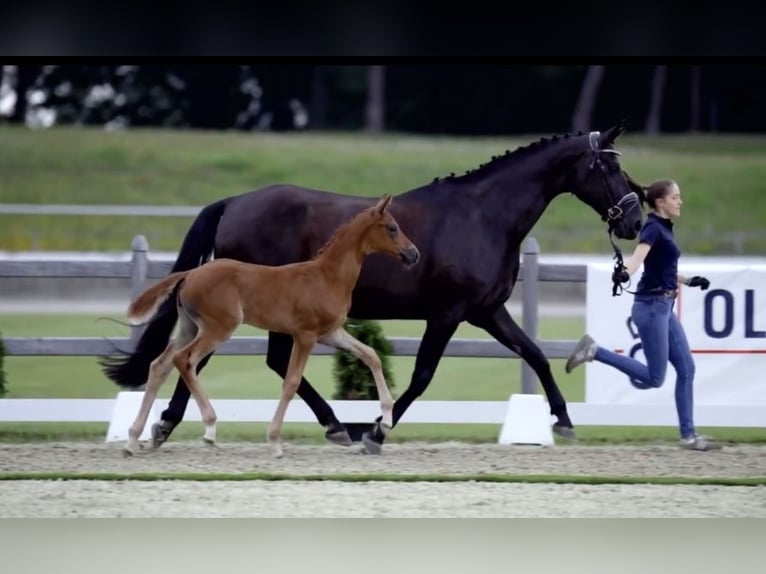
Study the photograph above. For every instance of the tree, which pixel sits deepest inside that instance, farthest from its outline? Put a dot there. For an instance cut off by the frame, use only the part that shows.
(581, 119)
(694, 104)
(375, 108)
(318, 105)
(25, 79)
(653, 118)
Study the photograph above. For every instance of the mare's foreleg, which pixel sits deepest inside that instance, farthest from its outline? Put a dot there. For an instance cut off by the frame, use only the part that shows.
(502, 327)
(432, 345)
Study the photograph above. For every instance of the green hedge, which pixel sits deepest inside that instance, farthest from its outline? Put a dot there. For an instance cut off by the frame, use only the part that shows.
(353, 379)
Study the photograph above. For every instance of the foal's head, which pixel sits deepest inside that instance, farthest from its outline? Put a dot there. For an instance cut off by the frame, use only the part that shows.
(383, 234)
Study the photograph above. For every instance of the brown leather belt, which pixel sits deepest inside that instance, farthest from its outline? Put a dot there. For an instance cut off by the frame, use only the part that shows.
(669, 293)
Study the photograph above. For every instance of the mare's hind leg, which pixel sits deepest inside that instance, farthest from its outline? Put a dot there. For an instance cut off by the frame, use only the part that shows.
(502, 327)
(341, 339)
(302, 346)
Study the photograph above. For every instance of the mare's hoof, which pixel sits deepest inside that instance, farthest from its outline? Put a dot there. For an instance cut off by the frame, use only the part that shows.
(337, 434)
(567, 433)
(371, 446)
(160, 433)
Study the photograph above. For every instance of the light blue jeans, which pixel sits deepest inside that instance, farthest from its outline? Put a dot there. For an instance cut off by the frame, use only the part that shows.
(663, 339)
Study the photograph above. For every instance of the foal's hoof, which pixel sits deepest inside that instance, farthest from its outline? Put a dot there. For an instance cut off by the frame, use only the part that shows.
(337, 434)
(208, 441)
(371, 445)
(564, 432)
(128, 451)
(160, 433)
(276, 450)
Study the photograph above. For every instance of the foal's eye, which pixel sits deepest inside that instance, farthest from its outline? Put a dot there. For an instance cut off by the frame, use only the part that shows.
(391, 229)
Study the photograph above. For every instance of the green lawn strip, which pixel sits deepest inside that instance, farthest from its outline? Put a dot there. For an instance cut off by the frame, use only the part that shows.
(721, 177)
(495, 478)
(313, 434)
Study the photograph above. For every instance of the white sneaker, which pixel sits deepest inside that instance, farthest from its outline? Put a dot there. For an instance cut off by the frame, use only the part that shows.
(698, 442)
(584, 350)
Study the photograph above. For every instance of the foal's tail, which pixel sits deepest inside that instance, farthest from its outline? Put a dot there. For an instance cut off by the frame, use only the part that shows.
(147, 302)
(132, 369)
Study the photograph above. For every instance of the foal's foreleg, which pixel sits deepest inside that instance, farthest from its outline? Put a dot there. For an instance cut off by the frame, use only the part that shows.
(158, 373)
(302, 347)
(341, 339)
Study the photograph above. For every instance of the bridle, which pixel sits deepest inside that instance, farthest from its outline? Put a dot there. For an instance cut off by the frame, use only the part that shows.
(614, 213)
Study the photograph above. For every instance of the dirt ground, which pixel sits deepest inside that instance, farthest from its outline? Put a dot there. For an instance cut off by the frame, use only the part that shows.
(342, 499)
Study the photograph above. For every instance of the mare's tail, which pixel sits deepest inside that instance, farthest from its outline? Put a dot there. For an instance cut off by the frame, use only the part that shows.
(132, 369)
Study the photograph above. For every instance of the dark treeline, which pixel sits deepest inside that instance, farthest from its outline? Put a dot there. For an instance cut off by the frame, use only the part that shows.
(436, 99)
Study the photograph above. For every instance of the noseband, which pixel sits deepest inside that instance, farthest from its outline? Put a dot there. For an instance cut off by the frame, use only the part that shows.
(614, 213)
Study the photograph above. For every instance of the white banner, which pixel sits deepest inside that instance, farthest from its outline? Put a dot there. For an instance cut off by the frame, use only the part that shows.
(725, 326)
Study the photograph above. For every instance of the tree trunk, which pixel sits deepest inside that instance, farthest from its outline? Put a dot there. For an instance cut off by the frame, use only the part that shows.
(694, 104)
(655, 104)
(584, 110)
(374, 117)
(318, 105)
(25, 79)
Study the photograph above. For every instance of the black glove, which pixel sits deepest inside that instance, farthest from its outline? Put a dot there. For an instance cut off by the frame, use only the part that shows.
(698, 281)
(620, 276)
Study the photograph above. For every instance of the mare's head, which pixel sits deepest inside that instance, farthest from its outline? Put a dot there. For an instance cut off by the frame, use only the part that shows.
(597, 179)
(383, 234)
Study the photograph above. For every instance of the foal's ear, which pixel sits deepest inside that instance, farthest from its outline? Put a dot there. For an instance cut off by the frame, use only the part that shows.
(383, 204)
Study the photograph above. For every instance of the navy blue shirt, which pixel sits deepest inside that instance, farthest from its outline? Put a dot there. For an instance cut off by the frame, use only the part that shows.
(661, 264)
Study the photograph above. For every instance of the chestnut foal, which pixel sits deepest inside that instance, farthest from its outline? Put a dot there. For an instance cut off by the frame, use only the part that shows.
(309, 300)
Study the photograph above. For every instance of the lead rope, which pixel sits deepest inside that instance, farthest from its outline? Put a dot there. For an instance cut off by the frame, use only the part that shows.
(617, 288)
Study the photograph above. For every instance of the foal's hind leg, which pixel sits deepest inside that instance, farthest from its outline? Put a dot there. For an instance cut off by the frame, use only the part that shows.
(158, 372)
(186, 362)
(341, 339)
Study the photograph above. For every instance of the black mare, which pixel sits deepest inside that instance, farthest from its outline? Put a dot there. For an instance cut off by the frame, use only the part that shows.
(468, 229)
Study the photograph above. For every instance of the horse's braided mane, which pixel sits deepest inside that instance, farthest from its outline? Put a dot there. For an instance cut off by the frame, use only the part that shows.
(508, 155)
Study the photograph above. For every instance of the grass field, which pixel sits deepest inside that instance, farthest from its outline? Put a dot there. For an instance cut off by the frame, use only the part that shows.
(722, 178)
(249, 378)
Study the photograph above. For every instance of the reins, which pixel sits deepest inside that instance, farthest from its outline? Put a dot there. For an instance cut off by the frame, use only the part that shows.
(617, 288)
(614, 213)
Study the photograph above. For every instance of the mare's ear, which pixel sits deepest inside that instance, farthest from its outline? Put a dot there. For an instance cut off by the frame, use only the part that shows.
(635, 186)
(383, 204)
(613, 133)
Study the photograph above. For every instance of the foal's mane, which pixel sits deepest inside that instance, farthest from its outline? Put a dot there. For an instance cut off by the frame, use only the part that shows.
(342, 230)
(502, 160)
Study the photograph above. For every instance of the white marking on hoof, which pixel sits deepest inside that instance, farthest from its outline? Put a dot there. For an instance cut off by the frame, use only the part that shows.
(276, 450)
(131, 447)
(209, 436)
